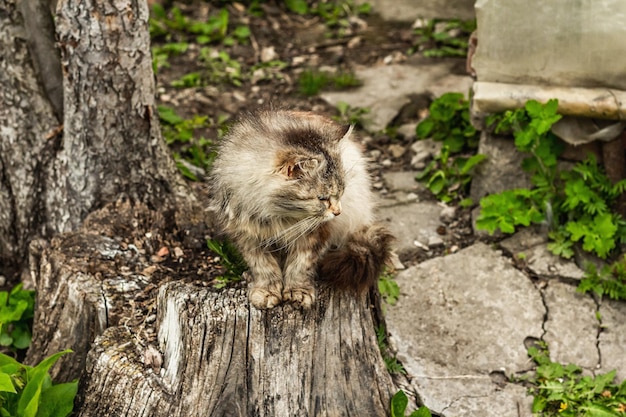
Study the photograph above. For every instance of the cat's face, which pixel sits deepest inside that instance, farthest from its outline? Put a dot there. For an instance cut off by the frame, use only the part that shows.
(310, 175)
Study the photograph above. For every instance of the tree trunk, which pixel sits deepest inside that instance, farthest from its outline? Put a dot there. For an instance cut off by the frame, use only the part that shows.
(111, 145)
(148, 342)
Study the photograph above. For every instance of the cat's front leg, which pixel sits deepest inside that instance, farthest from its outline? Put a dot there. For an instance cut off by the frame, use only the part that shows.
(266, 286)
(299, 271)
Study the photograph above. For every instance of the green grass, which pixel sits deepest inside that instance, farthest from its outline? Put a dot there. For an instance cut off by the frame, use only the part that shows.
(391, 362)
(311, 82)
(230, 258)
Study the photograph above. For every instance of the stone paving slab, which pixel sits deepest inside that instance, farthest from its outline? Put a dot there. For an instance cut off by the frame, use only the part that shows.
(612, 339)
(571, 326)
(460, 318)
(501, 170)
(414, 225)
(386, 88)
(410, 10)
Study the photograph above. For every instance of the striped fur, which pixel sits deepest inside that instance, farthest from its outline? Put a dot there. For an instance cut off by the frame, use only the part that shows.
(292, 191)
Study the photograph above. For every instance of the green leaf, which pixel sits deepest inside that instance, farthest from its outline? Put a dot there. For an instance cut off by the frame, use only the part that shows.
(58, 400)
(423, 411)
(168, 115)
(533, 107)
(21, 336)
(28, 403)
(524, 139)
(424, 128)
(472, 162)
(437, 182)
(597, 410)
(297, 6)
(6, 384)
(539, 404)
(455, 142)
(445, 107)
(398, 404)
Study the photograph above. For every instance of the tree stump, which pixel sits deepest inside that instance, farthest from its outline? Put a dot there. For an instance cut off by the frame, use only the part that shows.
(170, 347)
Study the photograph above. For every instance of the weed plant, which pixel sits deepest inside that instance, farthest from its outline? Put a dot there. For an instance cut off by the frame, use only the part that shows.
(609, 280)
(334, 13)
(448, 175)
(575, 204)
(188, 150)
(230, 258)
(444, 38)
(16, 316)
(563, 390)
(351, 115)
(27, 391)
(170, 25)
(388, 287)
(391, 362)
(399, 403)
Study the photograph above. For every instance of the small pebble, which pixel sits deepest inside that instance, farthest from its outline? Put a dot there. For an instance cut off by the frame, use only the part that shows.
(397, 150)
(448, 214)
(421, 245)
(434, 241)
(410, 197)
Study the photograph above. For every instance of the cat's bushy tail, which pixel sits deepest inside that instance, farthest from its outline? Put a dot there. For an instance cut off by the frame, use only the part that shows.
(359, 262)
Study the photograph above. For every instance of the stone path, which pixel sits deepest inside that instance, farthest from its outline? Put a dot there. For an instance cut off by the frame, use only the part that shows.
(463, 321)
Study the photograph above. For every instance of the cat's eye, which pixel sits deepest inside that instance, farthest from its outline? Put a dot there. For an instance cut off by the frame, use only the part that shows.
(323, 198)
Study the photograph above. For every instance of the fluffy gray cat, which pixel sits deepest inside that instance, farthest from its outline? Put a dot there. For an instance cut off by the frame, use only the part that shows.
(292, 191)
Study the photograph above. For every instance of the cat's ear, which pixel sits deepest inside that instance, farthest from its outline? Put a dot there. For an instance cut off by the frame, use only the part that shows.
(346, 131)
(296, 166)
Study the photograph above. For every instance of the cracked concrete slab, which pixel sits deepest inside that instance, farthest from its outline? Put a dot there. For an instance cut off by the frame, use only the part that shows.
(402, 181)
(413, 222)
(523, 239)
(461, 317)
(545, 264)
(501, 170)
(531, 243)
(571, 326)
(612, 339)
(508, 401)
(386, 88)
(410, 10)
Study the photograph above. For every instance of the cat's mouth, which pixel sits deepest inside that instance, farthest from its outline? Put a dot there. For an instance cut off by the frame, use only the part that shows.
(329, 215)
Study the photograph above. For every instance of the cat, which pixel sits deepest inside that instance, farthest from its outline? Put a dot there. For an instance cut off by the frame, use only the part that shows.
(291, 189)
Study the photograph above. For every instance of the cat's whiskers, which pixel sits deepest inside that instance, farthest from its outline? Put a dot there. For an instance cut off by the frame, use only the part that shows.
(287, 237)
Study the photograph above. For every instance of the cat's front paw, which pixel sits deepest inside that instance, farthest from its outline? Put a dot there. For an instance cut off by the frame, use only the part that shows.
(303, 296)
(264, 299)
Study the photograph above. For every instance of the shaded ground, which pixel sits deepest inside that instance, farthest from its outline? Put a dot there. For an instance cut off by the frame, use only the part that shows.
(281, 47)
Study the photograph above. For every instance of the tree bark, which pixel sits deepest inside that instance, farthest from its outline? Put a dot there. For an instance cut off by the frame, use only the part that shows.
(111, 145)
(26, 120)
(146, 342)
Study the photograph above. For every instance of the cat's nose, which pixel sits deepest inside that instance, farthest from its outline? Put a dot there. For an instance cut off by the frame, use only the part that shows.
(336, 209)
